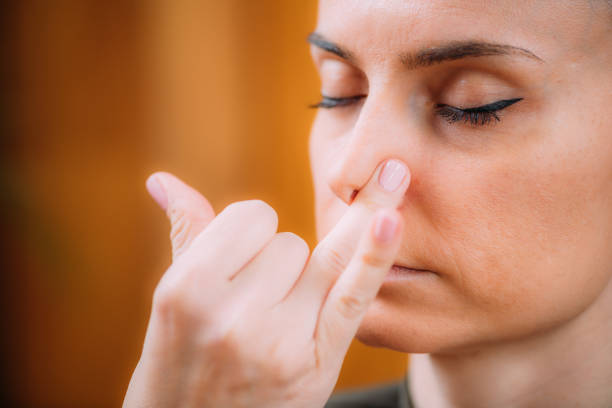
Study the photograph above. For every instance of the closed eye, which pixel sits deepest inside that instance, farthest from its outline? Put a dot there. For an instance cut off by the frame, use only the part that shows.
(478, 116)
(331, 102)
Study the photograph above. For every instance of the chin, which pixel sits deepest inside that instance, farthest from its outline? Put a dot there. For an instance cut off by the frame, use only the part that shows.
(387, 337)
(414, 331)
(380, 329)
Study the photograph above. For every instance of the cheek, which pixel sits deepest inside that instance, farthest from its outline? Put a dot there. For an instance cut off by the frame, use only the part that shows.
(526, 234)
(322, 147)
(520, 236)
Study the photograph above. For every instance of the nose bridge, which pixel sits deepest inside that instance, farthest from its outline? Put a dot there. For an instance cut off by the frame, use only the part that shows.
(370, 141)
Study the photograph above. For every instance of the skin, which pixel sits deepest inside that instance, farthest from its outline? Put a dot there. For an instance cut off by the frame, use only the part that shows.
(245, 316)
(511, 219)
(514, 217)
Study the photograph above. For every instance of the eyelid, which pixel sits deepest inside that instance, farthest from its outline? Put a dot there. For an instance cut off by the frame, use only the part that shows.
(342, 79)
(477, 115)
(490, 107)
(333, 102)
(324, 58)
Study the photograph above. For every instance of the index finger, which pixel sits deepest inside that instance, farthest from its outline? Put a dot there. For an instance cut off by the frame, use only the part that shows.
(385, 189)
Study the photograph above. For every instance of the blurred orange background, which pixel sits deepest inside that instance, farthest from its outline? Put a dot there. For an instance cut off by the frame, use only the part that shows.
(99, 95)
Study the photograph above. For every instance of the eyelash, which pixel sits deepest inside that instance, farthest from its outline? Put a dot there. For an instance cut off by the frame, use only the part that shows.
(329, 102)
(477, 116)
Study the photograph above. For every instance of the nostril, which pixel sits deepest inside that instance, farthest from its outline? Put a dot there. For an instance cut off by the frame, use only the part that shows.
(353, 195)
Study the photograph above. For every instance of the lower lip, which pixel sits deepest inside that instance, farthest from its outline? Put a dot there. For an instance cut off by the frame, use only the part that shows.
(400, 273)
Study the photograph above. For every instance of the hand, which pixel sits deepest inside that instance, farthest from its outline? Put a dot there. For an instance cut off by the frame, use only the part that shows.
(243, 317)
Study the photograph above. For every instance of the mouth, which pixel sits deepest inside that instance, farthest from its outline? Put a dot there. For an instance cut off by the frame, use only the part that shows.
(406, 272)
(408, 268)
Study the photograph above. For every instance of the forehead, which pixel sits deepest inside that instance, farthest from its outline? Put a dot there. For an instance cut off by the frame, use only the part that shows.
(383, 26)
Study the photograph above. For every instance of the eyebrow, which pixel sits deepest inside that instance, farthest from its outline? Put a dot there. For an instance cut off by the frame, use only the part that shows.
(426, 57)
(318, 40)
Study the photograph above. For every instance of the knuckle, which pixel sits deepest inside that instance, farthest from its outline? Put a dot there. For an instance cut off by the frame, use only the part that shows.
(275, 366)
(372, 202)
(167, 300)
(263, 211)
(173, 300)
(219, 338)
(283, 374)
(373, 259)
(351, 306)
(256, 210)
(330, 258)
(235, 207)
(294, 242)
(177, 216)
(181, 230)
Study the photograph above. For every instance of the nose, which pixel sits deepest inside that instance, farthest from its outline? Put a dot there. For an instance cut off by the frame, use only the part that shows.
(350, 170)
(381, 132)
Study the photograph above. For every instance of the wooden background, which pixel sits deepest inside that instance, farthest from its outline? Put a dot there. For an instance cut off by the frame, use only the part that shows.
(99, 94)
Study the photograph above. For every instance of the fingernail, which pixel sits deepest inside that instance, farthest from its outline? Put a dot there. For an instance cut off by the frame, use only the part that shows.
(384, 228)
(157, 191)
(392, 175)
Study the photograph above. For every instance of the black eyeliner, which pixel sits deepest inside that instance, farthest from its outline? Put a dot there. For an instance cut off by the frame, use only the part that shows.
(495, 106)
(477, 115)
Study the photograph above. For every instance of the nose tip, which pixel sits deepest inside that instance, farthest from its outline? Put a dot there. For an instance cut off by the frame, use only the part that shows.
(344, 181)
(350, 170)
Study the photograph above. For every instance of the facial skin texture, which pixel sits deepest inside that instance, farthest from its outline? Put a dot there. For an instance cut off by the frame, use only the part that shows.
(514, 216)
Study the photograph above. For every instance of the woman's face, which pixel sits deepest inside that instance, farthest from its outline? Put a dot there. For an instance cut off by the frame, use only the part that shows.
(510, 204)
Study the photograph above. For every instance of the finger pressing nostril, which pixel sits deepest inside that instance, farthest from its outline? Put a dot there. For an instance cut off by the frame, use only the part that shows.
(392, 175)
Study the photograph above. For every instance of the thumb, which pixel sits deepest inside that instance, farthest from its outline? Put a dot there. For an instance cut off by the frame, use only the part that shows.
(188, 211)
